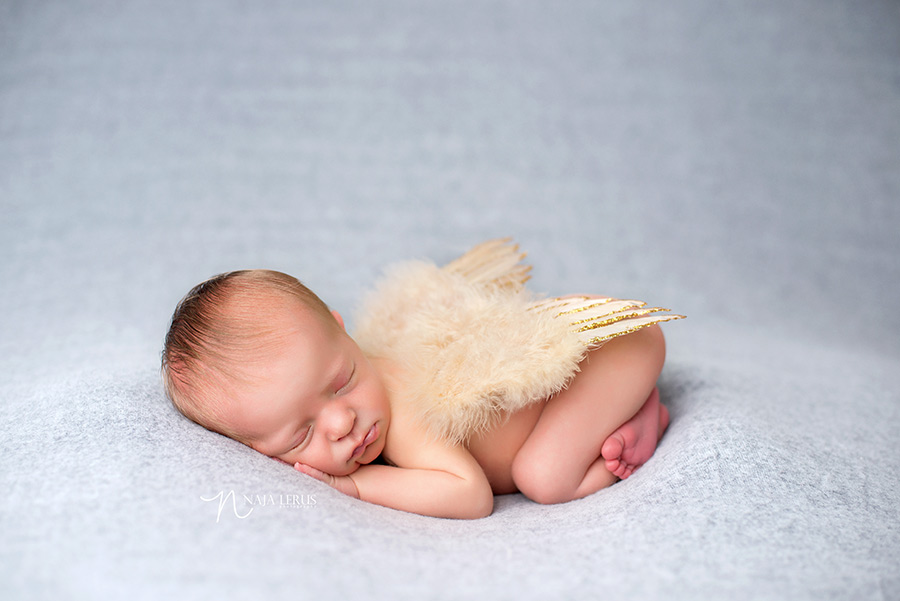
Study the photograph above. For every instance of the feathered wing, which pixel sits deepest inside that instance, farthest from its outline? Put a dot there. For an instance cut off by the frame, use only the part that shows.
(495, 264)
(474, 344)
(596, 320)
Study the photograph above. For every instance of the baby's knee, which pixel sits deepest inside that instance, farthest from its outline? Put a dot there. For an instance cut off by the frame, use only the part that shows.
(643, 350)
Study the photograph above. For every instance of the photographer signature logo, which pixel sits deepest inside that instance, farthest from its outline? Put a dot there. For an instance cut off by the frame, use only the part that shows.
(252, 502)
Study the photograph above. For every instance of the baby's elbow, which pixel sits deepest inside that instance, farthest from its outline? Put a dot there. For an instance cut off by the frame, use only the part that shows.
(474, 500)
(486, 505)
(480, 504)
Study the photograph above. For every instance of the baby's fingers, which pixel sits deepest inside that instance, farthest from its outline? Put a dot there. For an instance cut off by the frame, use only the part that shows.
(311, 471)
(344, 484)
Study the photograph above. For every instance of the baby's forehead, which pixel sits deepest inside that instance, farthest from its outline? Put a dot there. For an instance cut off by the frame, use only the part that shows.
(267, 328)
(260, 309)
(246, 299)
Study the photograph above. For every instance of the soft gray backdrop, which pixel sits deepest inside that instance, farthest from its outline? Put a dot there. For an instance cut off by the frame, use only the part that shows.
(736, 161)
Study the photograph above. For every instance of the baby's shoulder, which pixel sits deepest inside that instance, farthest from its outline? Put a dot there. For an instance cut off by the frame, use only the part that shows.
(409, 442)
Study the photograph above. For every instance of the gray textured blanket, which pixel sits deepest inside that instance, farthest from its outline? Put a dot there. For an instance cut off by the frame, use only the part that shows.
(736, 161)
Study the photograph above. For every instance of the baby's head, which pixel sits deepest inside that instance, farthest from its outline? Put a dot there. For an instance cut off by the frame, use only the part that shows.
(258, 357)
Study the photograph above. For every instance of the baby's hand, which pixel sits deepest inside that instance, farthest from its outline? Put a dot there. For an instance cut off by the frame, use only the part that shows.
(344, 484)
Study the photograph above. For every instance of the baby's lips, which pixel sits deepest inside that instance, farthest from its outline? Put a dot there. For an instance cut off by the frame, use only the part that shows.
(370, 437)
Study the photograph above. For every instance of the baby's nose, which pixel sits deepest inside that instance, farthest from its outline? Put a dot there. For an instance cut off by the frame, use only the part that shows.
(341, 422)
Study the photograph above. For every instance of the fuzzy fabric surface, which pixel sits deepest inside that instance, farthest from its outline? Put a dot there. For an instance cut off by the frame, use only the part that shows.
(737, 161)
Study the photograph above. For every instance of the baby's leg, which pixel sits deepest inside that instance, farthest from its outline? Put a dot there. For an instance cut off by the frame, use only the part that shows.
(634, 442)
(561, 460)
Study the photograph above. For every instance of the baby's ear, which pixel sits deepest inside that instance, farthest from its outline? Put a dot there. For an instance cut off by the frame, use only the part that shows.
(339, 319)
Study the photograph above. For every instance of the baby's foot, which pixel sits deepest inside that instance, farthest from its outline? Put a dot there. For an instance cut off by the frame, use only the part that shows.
(634, 442)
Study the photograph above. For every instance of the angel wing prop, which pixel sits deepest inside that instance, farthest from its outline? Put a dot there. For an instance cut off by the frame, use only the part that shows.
(473, 343)
(594, 319)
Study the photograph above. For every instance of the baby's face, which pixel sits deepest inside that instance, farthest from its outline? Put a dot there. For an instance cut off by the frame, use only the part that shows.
(315, 399)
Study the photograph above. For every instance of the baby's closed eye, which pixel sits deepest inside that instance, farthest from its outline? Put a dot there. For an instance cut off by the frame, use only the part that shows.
(303, 438)
(344, 384)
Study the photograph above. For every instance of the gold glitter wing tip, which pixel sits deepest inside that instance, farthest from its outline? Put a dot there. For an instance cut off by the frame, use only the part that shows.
(600, 340)
(626, 314)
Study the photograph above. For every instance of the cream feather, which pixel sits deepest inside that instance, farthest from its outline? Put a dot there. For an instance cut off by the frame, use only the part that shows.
(473, 343)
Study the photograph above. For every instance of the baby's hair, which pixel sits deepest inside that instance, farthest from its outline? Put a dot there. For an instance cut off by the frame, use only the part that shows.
(219, 324)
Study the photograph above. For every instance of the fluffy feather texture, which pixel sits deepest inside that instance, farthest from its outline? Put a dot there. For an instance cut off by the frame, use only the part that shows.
(473, 343)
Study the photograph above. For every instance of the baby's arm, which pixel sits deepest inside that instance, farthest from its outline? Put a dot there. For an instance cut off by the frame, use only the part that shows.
(436, 479)
(449, 491)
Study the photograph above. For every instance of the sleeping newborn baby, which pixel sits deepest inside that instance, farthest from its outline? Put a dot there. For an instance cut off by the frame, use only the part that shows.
(458, 385)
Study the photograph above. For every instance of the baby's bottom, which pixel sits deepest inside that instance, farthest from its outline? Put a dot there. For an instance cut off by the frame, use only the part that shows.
(598, 429)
